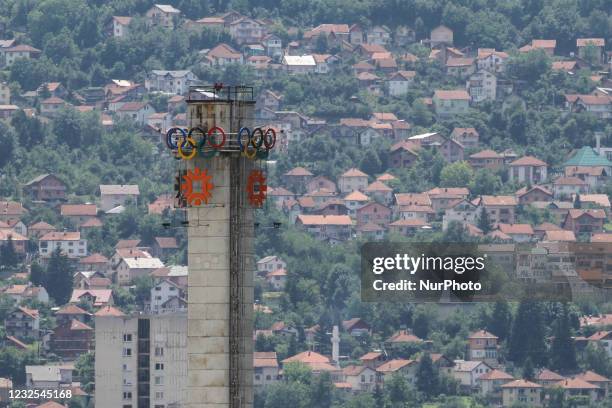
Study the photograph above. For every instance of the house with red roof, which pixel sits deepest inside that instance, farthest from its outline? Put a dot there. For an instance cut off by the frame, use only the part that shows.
(331, 228)
(401, 367)
(72, 338)
(318, 363)
(265, 368)
(398, 83)
(491, 382)
(597, 45)
(576, 387)
(50, 106)
(598, 105)
(69, 243)
(528, 170)
(449, 103)
(138, 112)
(277, 279)
(79, 213)
(356, 327)
(522, 392)
(23, 323)
(46, 187)
(352, 180)
(501, 209)
(39, 229)
(584, 221)
(486, 159)
(8, 55)
(164, 246)
(468, 137)
(120, 25)
(483, 346)
(297, 178)
(403, 154)
(374, 213)
(548, 46)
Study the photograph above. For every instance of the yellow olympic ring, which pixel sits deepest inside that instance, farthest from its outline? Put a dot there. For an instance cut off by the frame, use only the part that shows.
(193, 151)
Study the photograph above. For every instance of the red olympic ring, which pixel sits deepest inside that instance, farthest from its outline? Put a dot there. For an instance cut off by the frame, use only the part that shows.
(210, 139)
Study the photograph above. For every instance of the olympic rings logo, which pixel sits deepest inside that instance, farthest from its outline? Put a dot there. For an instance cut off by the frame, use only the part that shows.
(188, 144)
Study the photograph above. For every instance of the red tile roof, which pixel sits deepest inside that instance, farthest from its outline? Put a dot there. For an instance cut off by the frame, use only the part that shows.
(393, 365)
(298, 171)
(457, 94)
(307, 357)
(528, 161)
(78, 210)
(521, 384)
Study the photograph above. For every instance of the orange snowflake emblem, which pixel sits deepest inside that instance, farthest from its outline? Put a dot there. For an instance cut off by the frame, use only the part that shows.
(256, 188)
(193, 177)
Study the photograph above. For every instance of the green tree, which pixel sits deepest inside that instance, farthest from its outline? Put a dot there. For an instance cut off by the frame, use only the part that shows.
(84, 367)
(67, 126)
(528, 336)
(500, 322)
(370, 163)
(484, 223)
(59, 277)
(37, 274)
(577, 201)
(458, 174)
(322, 390)
(427, 377)
(291, 394)
(563, 351)
(485, 182)
(398, 391)
(528, 370)
(8, 255)
(142, 289)
(528, 66)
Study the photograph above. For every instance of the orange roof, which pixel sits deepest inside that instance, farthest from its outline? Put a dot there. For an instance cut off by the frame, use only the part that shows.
(486, 154)
(563, 65)
(61, 236)
(325, 219)
(404, 336)
(457, 94)
(109, 311)
(264, 359)
(496, 375)
(459, 62)
(94, 259)
(224, 51)
(342, 385)
(372, 355)
(33, 313)
(499, 200)
(307, 357)
(393, 365)
(78, 209)
(78, 326)
(576, 384)
(560, 235)
(41, 226)
(482, 334)
(353, 370)
(547, 375)
(592, 377)
(448, 192)
(569, 181)
(378, 186)
(516, 229)
(521, 384)
(601, 237)
(354, 173)
(576, 213)
(583, 42)
(412, 199)
(356, 196)
(298, 171)
(92, 222)
(528, 161)
(386, 177)
(278, 272)
(543, 43)
(71, 310)
(601, 200)
(386, 116)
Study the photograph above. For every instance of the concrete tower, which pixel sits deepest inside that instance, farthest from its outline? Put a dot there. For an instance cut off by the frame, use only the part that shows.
(220, 252)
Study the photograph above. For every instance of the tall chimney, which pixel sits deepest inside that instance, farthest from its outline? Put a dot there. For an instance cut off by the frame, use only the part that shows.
(598, 142)
(336, 346)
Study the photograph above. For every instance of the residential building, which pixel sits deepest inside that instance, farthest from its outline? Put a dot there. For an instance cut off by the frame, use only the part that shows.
(11, 210)
(69, 243)
(318, 363)
(534, 194)
(49, 377)
(521, 392)
(269, 264)
(9, 55)
(164, 246)
(491, 382)
(547, 378)
(277, 279)
(173, 82)
(19, 241)
(79, 213)
(39, 229)
(163, 15)
(567, 187)
(23, 323)
(223, 55)
(21, 293)
(401, 367)
(598, 105)
(94, 262)
(71, 338)
(548, 46)
(486, 159)
(451, 103)
(5, 386)
(265, 369)
(373, 213)
(491, 60)
(299, 64)
(297, 178)
(501, 209)
(468, 137)
(462, 211)
(93, 297)
(482, 86)
(333, 33)
(460, 67)
(273, 45)
(167, 296)
(575, 388)
(482, 346)
(352, 180)
(584, 221)
(403, 154)
(113, 195)
(528, 170)
(378, 35)
(7, 111)
(247, 31)
(130, 268)
(598, 47)
(329, 228)
(356, 327)
(380, 192)
(360, 377)
(140, 359)
(469, 372)
(120, 26)
(138, 112)
(46, 187)
(50, 106)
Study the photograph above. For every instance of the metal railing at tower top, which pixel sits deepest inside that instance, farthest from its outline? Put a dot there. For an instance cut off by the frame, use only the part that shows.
(220, 92)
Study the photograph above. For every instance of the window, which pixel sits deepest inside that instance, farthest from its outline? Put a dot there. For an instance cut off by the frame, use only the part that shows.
(159, 395)
(127, 352)
(127, 337)
(127, 395)
(268, 377)
(159, 351)
(159, 380)
(159, 366)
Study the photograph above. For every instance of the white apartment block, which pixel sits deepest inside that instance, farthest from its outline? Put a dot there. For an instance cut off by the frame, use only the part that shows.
(69, 243)
(140, 360)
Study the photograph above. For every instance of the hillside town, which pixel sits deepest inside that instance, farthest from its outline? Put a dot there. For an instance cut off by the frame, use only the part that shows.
(83, 262)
